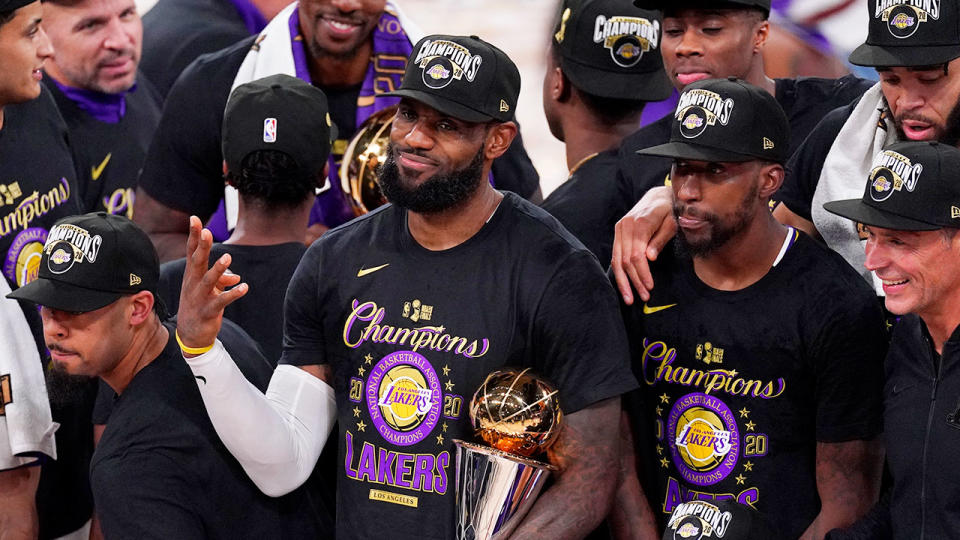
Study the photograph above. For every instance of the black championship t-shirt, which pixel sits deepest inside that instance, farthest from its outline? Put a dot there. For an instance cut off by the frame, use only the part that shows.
(738, 387)
(184, 166)
(412, 333)
(805, 100)
(176, 32)
(38, 183)
(160, 470)
(111, 155)
(590, 202)
(267, 269)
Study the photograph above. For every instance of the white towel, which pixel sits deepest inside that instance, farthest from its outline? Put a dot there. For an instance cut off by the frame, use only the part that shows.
(844, 176)
(26, 426)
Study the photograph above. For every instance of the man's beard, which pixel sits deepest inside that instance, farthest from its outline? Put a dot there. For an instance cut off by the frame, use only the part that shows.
(949, 134)
(66, 390)
(720, 231)
(438, 193)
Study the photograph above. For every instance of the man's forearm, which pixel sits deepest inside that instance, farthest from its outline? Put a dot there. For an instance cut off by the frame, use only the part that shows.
(588, 455)
(276, 437)
(631, 517)
(18, 511)
(848, 481)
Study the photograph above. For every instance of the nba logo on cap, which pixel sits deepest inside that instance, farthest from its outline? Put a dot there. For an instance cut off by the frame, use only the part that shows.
(270, 130)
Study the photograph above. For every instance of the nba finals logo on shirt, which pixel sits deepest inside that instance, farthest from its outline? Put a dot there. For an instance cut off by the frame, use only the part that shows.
(903, 17)
(627, 38)
(270, 130)
(444, 61)
(704, 439)
(699, 108)
(697, 519)
(893, 172)
(69, 244)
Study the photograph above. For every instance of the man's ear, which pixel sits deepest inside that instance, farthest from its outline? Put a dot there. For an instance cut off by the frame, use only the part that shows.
(498, 140)
(142, 307)
(760, 37)
(771, 178)
(226, 179)
(558, 87)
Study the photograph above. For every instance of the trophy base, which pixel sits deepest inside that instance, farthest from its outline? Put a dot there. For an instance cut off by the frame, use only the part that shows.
(495, 490)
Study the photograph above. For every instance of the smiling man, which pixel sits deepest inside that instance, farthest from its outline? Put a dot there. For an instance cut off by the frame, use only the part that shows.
(354, 50)
(913, 247)
(451, 281)
(759, 352)
(111, 111)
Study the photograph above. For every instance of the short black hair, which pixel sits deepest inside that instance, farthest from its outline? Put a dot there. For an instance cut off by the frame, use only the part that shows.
(7, 16)
(608, 110)
(269, 178)
(759, 14)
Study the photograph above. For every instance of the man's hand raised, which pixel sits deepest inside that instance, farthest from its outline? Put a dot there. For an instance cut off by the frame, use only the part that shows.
(639, 237)
(204, 293)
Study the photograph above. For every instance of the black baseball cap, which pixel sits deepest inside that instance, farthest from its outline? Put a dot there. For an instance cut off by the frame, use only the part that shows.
(912, 187)
(726, 120)
(663, 5)
(90, 261)
(464, 77)
(611, 49)
(910, 34)
(281, 113)
(11, 5)
(725, 518)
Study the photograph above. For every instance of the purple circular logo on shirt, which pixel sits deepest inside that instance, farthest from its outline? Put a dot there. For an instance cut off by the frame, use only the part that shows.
(704, 439)
(403, 396)
(22, 263)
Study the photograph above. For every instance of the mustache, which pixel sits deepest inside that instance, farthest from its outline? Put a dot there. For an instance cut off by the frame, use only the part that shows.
(913, 116)
(681, 209)
(59, 348)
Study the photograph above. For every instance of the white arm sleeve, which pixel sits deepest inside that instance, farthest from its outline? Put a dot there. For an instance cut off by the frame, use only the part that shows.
(276, 437)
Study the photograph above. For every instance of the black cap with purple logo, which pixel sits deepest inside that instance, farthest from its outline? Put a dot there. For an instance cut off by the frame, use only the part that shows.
(611, 49)
(464, 77)
(726, 120)
(910, 33)
(90, 261)
(723, 519)
(912, 187)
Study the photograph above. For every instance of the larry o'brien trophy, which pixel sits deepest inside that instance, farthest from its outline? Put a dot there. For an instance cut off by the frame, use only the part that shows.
(518, 414)
(363, 156)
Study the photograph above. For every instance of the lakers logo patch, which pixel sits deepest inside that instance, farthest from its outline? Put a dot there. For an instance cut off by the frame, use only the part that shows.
(403, 397)
(443, 62)
(6, 393)
(699, 109)
(892, 172)
(627, 38)
(904, 17)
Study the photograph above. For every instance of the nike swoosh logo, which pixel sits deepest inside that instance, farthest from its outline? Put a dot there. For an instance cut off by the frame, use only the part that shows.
(365, 271)
(647, 310)
(95, 172)
(200, 378)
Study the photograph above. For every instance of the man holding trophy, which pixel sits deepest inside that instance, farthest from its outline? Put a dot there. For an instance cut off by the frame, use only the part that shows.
(395, 319)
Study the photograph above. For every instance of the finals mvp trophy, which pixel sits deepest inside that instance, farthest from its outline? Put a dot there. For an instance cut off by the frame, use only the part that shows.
(518, 415)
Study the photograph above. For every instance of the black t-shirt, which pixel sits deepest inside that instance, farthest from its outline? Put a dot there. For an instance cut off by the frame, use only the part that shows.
(176, 32)
(267, 269)
(383, 311)
(737, 387)
(184, 166)
(589, 204)
(805, 166)
(160, 470)
(805, 100)
(111, 155)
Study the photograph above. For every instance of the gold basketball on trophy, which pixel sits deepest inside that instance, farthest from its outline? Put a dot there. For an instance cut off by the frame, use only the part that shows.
(364, 154)
(517, 412)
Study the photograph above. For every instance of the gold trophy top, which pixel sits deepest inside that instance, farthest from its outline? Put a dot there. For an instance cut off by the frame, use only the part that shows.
(517, 412)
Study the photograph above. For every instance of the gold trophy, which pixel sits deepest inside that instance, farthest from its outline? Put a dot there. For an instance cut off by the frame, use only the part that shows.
(365, 153)
(518, 414)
